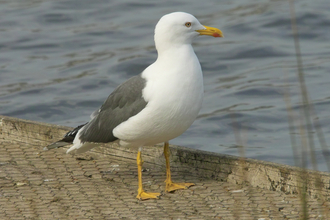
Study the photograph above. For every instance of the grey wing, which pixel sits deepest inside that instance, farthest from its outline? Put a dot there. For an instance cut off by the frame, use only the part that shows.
(124, 102)
(95, 113)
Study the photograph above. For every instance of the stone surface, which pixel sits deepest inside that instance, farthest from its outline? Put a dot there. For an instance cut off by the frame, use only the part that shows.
(37, 184)
(54, 185)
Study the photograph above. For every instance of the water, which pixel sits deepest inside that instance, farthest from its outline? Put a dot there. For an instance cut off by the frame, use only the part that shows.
(59, 60)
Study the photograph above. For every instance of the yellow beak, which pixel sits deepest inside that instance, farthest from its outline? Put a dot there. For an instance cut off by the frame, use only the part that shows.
(211, 31)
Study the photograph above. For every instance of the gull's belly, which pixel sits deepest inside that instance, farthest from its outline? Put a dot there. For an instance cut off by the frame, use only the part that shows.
(174, 94)
(165, 117)
(172, 119)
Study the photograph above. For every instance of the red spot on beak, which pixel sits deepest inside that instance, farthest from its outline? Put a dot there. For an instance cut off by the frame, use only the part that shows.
(216, 35)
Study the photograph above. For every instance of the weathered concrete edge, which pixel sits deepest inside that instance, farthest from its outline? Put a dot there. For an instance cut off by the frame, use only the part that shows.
(266, 175)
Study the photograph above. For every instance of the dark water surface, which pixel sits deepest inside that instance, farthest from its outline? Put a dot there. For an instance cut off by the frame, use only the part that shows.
(59, 60)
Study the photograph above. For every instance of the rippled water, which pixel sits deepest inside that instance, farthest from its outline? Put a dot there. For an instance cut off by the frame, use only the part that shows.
(59, 60)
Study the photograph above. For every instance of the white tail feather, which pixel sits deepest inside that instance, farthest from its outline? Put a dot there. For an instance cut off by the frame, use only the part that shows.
(79, 147)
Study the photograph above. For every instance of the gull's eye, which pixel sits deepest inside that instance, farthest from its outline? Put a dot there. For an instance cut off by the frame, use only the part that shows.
(187, 24)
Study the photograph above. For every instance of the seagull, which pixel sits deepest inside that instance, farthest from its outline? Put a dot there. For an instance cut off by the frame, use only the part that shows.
(155, 106)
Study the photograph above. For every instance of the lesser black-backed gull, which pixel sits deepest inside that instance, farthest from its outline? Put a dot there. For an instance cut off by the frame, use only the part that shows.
(155, 106)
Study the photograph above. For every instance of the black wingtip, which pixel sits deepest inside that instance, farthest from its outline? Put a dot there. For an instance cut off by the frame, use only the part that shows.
(56, 144)
(68, 139)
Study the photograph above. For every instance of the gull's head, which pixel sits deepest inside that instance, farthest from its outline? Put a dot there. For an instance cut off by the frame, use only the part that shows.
(181, 28)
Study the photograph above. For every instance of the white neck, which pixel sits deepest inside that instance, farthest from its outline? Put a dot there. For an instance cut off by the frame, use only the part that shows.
(176, 65)
(177, 55)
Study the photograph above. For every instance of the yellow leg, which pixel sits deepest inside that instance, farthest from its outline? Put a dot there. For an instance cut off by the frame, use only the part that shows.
(142, 195)
(170, 186)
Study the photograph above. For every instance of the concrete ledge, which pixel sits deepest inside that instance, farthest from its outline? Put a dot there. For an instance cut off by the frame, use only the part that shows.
(265, 175)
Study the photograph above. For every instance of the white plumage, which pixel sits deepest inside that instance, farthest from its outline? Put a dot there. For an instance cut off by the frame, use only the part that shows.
(174, 95)
(174, 87)
(173, 90)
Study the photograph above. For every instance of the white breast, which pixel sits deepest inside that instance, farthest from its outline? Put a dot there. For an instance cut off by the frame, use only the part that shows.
(174, 93)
